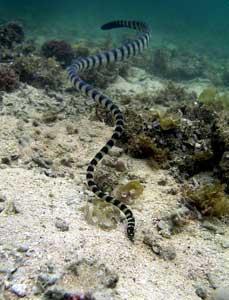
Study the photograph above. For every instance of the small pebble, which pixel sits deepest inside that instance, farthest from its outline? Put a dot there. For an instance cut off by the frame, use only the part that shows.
(19, 289)
(71, 129)
(40, 162)
(45, 280)
(168, 253)
(225, 244)
(6, 160)
(1, 208)
(165, 252)
(120, 166)
(35, 123)
(162, 182)
(201, 292)
(2, 198)
(172, 191)
(23, 248)
(61, 225)
(110, 281)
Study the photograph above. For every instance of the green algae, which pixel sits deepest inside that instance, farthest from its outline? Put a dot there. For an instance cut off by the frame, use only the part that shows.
(101, 214)
(168, 121)
(214, 99)
(127, 193)
(210, 199)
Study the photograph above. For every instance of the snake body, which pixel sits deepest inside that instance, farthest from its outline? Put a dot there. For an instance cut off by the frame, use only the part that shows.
(125, 51)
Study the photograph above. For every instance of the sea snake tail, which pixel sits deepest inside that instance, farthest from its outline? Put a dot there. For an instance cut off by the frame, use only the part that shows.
(125, 51)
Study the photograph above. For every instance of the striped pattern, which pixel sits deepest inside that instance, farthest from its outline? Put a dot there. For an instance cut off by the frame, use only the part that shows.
(127, 50)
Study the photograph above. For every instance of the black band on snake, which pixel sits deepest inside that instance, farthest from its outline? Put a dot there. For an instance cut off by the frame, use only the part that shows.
(125, 51)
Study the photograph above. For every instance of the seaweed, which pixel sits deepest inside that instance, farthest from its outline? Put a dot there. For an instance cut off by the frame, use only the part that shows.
(209, 199)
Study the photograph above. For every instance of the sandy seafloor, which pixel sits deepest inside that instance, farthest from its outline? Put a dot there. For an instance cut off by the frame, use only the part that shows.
(31, 244)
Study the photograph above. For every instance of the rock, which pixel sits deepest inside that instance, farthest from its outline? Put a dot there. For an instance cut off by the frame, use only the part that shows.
(208, 225)
(201, 292)
(172, 191)
(19, 289)
(120, 166)
(61, 224)
(67, 161)
(162, 182)
(109, 279)
(1, 208)
(165, 252)
(164, 228)
(72, 129)
(45, 280)
(11, 208)
(225, 244)
(116, 151)
(2, 198)
(222, 293)
(40, 162)
(168, 253)
(23, 248)
(6, 160)
(54, 294)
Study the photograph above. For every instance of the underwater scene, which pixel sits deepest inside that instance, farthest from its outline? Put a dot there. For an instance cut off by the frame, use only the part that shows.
(114, 150)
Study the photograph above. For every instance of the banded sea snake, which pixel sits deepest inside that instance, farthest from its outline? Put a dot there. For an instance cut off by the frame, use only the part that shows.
(125, 51)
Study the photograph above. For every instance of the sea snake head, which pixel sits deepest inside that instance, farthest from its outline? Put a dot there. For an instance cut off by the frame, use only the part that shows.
(130, 233)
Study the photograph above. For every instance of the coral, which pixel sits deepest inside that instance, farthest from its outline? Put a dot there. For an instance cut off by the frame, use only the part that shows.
(210, 199)
(102, 214)
(127, 193)
(10, 34)
(39, 72)
(8, 79)
(60, 50)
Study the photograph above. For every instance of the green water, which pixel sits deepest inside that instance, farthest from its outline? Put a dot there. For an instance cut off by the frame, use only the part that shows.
(201, 25)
